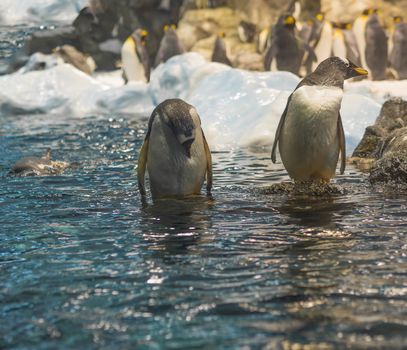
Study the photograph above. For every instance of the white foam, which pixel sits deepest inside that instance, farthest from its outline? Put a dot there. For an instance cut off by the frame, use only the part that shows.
(238, 108)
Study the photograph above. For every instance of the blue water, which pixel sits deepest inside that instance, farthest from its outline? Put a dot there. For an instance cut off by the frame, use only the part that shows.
(85, 265)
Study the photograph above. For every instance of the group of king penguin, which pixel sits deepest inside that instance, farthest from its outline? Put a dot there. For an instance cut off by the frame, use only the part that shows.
(299, 47)
(310, 136)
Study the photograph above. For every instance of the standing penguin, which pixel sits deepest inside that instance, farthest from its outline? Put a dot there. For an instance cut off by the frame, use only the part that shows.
(135, 59)
(344, 43)
(321, 40)
(359, 29)
(246, 31)
(398, 55)
(310, 133)
(376, 48)
(170, 45)
(219, 51)
(175, 152)
(283, 52)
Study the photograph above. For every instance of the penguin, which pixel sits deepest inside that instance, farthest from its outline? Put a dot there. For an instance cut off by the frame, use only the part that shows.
(246, 31)
(321, 40)
(390, 32)
(38, 166)
(283, 52)
(359, 28)
(398, 55)
(262, 40)
(175, 152)
(344, 43)
(135, 59)
(376, 48)
(310, 134)
(170, 45)
(219, 51)
(352, 50)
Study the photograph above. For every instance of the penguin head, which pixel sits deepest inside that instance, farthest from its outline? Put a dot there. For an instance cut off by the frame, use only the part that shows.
(320, 17)
(289, 21)
(334, 70)
(397, 19)
(167, 27)
(222, 35)
(141, 34)
(182, 119)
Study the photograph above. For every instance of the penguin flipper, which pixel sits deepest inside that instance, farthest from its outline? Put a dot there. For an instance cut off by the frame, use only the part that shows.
(342, 144)
(271, 53)
(208, 165)
(141, 166)
(278, 131)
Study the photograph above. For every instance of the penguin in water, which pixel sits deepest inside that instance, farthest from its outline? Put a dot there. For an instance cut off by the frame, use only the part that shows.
(398, 55)
(170, 45)
(283, 52)
(175, 152)
(376, 48)
(135, 59)
(38, 166)
(219, 51)
(310, 134)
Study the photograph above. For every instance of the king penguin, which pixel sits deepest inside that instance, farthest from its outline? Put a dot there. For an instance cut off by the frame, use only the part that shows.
(321, 40)
(283, 52)
(175, 152)
(310, 134)
(376, 48)
(398, 54)
(135, 59)
(219, 51)
(359, 29)
(170, 45)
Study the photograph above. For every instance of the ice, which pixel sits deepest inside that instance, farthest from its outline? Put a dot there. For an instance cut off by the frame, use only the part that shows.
(238, 108)
(14, 12)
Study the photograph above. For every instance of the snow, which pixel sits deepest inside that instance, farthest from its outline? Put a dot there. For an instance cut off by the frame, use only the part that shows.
(13, 12)
(238, 108)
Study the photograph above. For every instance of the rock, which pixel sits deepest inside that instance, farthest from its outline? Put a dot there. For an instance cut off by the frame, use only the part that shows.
(383, 148)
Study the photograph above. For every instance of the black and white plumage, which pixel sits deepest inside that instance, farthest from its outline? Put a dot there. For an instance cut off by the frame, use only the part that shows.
(219, 51)
(310, 134)
(398, 54)
(175, 152)
(135, 59)
(376, 48)
(246, 31)
(170, 46)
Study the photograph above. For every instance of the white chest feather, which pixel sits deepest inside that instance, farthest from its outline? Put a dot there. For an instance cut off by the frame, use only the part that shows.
(323, 49)
(309, 143)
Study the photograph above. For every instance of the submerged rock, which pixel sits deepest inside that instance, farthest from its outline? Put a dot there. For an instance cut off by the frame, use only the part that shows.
(314, 189)
(39, 166)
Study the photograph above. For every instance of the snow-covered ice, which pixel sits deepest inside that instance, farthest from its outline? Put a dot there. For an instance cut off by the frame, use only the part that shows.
(238, 108)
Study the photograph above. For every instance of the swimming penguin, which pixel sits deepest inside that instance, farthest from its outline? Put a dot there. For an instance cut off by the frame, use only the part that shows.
(398, 55)
(283, 52)
(219, 51)
(175, 152)
(359, 29)
(135, 59)
(37, 166)
(170, 45)
(376, 48)
(246, 31)
(310, 134)
(321, 40)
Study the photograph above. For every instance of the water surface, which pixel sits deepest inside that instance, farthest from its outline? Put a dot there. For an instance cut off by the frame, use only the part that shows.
(84, 264)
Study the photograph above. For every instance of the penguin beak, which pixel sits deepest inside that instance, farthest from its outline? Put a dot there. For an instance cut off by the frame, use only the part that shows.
(355, 71)
(187, 145)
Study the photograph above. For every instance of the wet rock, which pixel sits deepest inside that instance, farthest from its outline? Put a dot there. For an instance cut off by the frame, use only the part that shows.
(314, 189)
(383, 148)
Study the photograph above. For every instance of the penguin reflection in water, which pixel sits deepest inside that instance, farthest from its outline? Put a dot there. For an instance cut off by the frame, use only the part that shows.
(175, 152)
(310, 133)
